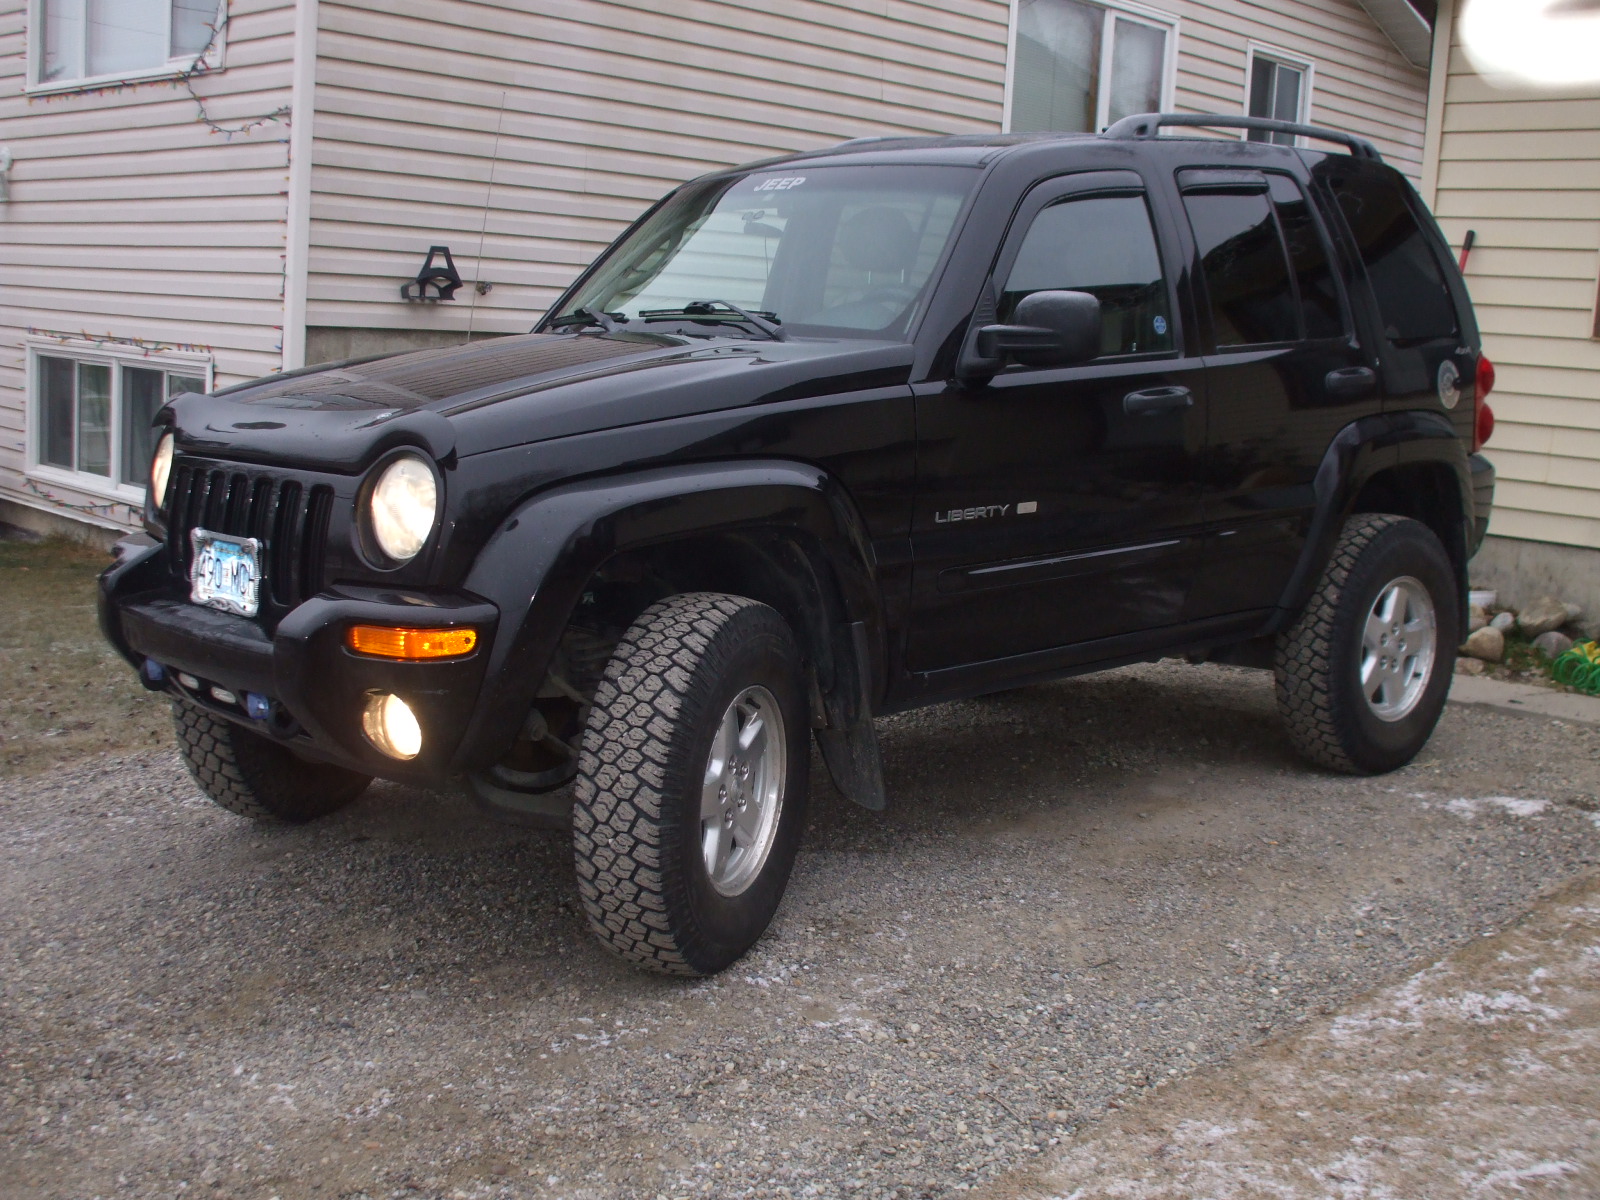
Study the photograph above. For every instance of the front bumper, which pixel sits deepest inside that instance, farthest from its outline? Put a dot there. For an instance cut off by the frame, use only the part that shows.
(315, 686)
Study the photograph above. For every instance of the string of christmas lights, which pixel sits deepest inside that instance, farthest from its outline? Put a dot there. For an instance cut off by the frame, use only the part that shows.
(83, 337)
(107, 509)
(200, 67)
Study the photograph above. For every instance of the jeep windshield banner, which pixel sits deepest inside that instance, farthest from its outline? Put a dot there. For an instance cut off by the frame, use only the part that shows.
(829, 251)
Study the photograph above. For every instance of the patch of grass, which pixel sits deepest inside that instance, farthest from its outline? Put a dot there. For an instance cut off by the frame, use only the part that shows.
(64, 692)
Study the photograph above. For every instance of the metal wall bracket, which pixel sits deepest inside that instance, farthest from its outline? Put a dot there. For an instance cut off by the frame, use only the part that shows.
(443, 279)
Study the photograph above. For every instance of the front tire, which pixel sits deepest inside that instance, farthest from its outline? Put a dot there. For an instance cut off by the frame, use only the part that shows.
(1363, 674)
(253, 776)
(692, 781)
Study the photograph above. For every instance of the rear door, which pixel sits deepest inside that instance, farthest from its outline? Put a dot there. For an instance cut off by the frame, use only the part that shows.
(1427, 357)
(1284, 374)
(1058, 505)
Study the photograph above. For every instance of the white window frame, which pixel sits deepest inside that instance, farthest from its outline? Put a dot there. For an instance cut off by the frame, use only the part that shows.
(1289, 59)
(36, 86)
(116, 357)
(1169, 23)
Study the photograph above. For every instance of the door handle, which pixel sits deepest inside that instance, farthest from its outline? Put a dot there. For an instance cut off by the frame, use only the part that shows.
(1350, 383)
(1152, 401)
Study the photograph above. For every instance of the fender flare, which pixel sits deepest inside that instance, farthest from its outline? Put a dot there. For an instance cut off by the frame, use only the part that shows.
(536, 565)
(1359, 452)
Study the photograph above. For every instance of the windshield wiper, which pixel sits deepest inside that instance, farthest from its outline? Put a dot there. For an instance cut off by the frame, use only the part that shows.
(610, 322)
(766, 322)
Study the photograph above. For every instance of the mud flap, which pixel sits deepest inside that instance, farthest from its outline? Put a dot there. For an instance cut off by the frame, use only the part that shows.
(849, 744)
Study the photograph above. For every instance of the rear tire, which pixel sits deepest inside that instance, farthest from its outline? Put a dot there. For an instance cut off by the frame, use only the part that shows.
(1363, 674)
(692, 781)
(253, 776)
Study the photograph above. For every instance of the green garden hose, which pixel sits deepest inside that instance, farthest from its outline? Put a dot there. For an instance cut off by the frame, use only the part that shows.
(1579, 668)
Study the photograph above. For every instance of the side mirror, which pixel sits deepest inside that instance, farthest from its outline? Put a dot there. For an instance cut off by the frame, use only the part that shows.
(1052, 329)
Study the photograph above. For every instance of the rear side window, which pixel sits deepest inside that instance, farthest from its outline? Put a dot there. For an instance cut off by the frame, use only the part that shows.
(1320, 307)
(1246, 272)
(1413, 300)
(1103, 245)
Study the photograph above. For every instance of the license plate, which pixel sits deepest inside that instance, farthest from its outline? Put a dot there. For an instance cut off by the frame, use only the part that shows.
(226, 572)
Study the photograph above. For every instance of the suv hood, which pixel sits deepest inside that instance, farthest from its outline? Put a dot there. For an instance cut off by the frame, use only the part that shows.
(511, 391)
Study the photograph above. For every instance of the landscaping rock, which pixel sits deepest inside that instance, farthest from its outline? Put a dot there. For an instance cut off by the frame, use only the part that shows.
(1552, 644)
(1488, 643)
(1470, 666)
(1477, 618)
(1543, 615)
(1574, 611)
(1504, 622)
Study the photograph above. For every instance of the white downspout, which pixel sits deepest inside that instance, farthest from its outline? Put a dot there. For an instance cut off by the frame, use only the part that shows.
(1438, 85)
(297, 236)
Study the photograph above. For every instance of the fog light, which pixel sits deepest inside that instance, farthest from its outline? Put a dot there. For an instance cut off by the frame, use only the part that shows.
(391, 726)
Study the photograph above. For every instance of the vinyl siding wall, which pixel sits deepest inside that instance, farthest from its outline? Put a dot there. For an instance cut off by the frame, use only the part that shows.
(1522, 169)
(129, 219)
(586, 111)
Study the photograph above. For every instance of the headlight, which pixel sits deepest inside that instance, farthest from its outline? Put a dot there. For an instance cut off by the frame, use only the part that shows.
(403, 506)
(161, 471)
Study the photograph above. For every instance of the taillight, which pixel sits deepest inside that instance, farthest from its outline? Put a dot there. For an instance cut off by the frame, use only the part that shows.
(1483, 416)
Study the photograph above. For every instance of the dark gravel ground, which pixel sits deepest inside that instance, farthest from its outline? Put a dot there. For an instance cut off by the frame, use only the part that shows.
(1081, 891)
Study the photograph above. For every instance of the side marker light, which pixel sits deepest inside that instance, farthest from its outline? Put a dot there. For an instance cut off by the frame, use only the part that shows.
(384, 641)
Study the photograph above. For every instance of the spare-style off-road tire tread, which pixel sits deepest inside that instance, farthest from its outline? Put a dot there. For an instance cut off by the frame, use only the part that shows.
(622, 818)
(1304, 676)
(254, 778)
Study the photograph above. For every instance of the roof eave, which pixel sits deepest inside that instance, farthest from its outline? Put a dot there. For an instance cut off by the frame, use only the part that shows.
(1405, 27)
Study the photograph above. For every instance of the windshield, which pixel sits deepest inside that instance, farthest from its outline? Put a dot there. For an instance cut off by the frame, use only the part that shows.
(826, 251)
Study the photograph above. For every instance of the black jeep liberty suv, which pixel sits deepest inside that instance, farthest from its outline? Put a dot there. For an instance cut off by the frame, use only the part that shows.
(822, 438)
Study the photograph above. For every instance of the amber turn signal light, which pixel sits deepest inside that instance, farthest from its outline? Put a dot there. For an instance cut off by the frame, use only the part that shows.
(385, 641)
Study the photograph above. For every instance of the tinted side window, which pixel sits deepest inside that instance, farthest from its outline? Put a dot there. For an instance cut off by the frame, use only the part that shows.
(1103, 245)
(1413, 300)
(1246, 273)
(1319, 294)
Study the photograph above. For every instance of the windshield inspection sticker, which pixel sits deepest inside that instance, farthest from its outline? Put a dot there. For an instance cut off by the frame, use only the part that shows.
(781, 184)
(1161, 325)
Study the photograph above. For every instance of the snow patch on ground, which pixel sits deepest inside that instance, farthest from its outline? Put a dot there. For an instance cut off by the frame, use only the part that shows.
(1514, 805)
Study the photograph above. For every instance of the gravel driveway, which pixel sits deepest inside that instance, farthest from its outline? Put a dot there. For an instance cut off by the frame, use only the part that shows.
(1080, 890)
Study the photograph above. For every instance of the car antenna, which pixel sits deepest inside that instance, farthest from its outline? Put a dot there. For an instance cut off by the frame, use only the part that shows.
(479, 287)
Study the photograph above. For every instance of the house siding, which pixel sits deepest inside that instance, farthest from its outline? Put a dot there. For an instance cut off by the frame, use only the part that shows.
(1522, 169)
(129, 220)
(608, 105)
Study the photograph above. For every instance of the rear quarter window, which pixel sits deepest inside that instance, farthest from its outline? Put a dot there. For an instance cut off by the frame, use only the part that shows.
(1407, 280)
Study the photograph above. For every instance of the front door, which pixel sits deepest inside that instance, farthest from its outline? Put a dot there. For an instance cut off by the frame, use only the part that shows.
(1058, 505)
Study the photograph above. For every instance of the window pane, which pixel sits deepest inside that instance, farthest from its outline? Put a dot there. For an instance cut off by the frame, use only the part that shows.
(177, 385)
(1137, 55)
(1246, 274)
(1055, 81)
(1319, 295)
(141, 398)
(126, 35)
(1286, 104)
(1275, 93)
(62, 56)
(94, 418)
(1102, 245)
(55, 411)
(1412, 298)
(192, 25)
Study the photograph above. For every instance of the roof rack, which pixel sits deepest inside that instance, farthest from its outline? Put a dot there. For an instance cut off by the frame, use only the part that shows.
(1146, 125)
